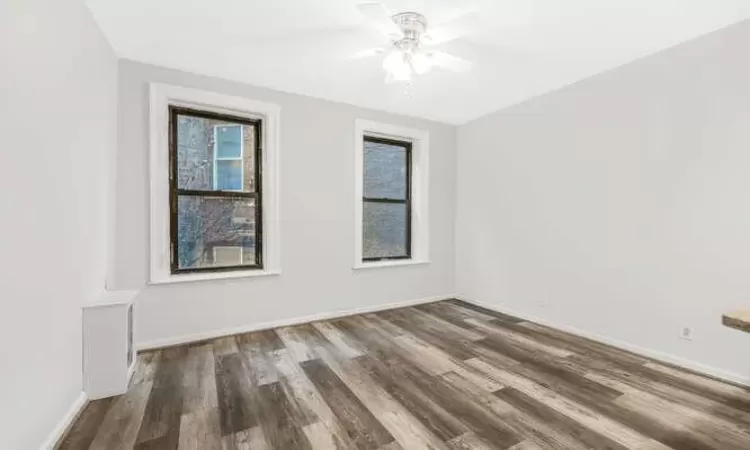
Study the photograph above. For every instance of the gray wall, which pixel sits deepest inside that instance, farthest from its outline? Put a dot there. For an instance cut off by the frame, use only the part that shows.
(317, 213)
(619, 205)
(58, 87)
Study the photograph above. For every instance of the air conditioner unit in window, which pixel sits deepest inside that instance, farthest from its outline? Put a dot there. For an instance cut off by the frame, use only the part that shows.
(108, 350)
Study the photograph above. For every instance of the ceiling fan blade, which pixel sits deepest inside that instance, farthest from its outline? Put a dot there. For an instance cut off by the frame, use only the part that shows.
(450, 62)
(367, 53)
(452, 30)
(379, 16)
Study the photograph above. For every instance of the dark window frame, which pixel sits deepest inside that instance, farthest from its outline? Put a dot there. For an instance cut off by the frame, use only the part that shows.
(175, 192)
(407, 145)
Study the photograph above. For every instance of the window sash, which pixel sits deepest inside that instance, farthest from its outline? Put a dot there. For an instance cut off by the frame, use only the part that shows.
(175, 191)
(407, 146)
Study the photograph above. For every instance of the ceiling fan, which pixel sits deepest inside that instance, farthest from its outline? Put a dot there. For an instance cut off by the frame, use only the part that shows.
(411, 50)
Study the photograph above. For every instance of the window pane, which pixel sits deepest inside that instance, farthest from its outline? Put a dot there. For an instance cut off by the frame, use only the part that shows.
(385, 171)
(228, 256)
(229, 175)
(384, 230)
(206, 224)
(196, 159)
(229, 141)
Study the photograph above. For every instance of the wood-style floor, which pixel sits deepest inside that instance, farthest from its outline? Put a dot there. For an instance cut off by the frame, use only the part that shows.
(446, 375)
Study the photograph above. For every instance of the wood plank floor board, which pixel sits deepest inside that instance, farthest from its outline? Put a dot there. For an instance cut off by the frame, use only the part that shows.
(469, 441)
(435, 322)
(297, 344)
(644, 382)
(448, 314)
(161, 419)
(405, 428)
(567, 383)
(251, 439)
(225, 345)
(619, 424)
(311, 335)
(727, 395)
(344, 346)
(84, 430)
(321, 437)
(200, 430)
(450, 343)
(548, 372)
(476, 416)
(236, 395)
(295, 396)
(666, 424)
(319, 423)
(583, 346)
(446, 375)
(401, 385)
(145, 367)
(455, 313)
(381, 324)
(587, 415)
(675, 413)
(487, 312)
(436, 362)
(361, 425)
(587, 437)
(165, 442)
(505, 333)
(257, 351)
(199, 381)
(124, 419)
(680, 377)
(277, 419)
(524, 426)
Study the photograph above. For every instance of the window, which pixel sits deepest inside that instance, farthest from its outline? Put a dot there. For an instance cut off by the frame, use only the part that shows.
(391, 214)
(214, 186)
(386, 230)
(215, 195)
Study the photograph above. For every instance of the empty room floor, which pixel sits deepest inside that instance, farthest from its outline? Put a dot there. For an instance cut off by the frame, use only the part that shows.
(442, 375)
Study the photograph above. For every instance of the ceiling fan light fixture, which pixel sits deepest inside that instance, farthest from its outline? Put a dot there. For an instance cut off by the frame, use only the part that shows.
(397, 66)
(408, 34)
(420, 62)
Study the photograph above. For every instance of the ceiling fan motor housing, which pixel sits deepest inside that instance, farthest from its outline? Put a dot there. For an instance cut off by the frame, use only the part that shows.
(413, 25)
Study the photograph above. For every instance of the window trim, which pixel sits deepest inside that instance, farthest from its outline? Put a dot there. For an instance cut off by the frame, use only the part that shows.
(175, 191)
(407, 146)
(419, 191)
(161, 96)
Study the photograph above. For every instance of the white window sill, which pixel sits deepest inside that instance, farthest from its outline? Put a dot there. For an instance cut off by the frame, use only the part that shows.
(390, 263)
(193, 277)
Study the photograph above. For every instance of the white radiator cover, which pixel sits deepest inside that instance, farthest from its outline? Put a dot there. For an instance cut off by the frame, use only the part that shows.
(108, 350)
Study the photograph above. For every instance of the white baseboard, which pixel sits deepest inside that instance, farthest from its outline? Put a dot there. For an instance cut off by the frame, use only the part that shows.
(694, 366)
(62, 427)
(184, 339)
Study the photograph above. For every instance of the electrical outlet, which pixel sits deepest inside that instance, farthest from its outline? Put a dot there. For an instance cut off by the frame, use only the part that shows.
(543, 303)
(687, 334)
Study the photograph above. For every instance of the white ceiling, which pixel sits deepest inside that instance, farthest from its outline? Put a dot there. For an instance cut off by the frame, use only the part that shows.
(520, 48)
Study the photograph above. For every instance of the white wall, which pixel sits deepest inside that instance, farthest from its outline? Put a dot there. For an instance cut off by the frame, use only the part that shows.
(622, 203)
(58, 87)
(317, 213)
